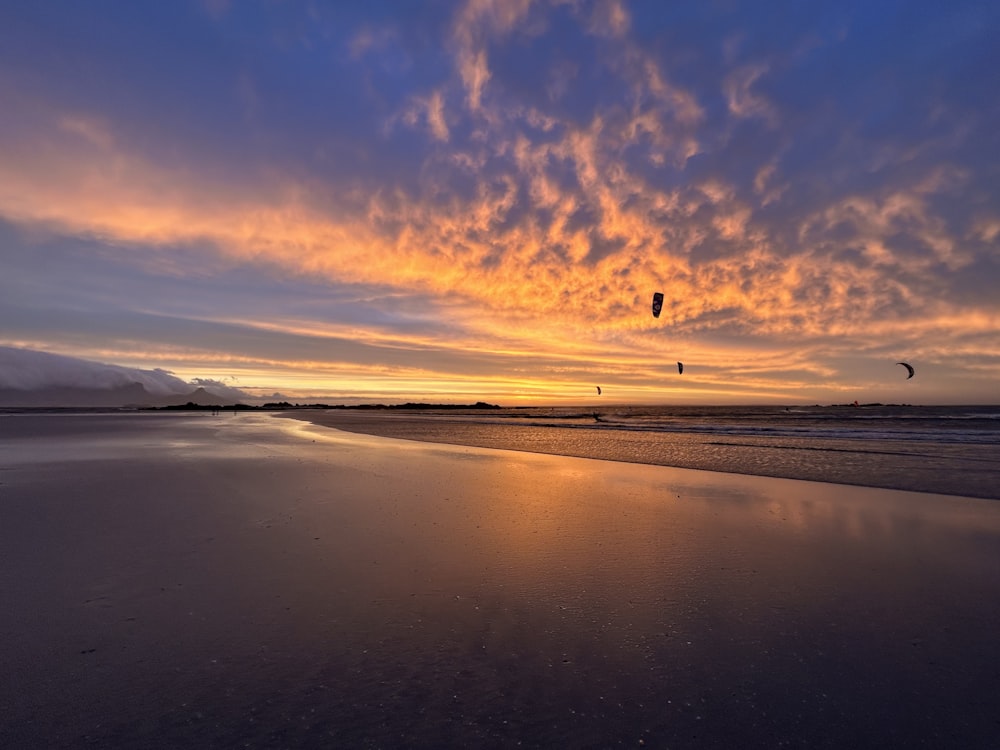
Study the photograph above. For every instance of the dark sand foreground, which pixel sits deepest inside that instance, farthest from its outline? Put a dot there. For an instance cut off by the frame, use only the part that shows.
(246, 581)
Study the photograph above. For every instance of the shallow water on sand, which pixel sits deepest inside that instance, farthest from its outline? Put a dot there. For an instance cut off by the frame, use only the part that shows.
(947, 450)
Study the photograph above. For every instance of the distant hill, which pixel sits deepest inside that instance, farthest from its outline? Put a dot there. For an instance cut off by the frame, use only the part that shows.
(132, 395)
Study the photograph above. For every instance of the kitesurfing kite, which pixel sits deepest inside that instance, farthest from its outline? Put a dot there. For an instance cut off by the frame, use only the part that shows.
(908, 367)
(598, 390)
(657, 303)
(680, 368)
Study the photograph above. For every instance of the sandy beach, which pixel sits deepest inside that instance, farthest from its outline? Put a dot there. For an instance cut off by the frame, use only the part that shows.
(184, 580)
(937, 461)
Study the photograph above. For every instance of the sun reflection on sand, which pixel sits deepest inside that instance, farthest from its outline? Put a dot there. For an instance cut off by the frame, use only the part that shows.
(389, 588)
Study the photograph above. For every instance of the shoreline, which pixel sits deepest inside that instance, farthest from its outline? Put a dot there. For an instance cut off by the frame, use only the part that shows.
(853, 464)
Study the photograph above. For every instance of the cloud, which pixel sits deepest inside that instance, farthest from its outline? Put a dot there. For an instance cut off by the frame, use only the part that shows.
(519, 223)
(523, 174)
(744, 103)
(477, 23)
(27, 370)
(610, 18)
(429, 111)
(90, 129)
(220, 388)
(368, 39)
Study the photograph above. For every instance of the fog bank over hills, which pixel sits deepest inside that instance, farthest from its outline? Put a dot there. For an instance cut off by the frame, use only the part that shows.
(30, 378)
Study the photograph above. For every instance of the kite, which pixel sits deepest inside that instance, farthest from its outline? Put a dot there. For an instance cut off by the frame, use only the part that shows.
(598, 390)
(657, 303)
(908, 367)
(680, 368)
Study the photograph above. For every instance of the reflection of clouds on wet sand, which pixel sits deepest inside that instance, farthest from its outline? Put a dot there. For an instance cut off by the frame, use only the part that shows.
(389, 591)
(861, 513)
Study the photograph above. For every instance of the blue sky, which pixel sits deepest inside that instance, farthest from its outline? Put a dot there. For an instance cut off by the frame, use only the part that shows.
(459, 201)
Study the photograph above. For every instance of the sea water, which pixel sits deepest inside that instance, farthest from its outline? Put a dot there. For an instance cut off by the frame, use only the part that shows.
(944, 449)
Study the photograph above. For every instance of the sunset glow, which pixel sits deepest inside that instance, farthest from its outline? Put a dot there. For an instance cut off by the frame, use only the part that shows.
(476, 200)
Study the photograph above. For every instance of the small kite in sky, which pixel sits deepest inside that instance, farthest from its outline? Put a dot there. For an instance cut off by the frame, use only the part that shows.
(680, 368)
(657, 303)
(908, 367)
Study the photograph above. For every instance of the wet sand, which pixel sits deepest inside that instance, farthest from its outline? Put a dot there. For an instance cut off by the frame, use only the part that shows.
(968, 469)
(248, 581)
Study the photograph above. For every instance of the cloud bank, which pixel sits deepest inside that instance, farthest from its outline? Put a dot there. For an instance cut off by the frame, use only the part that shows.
(28, 370)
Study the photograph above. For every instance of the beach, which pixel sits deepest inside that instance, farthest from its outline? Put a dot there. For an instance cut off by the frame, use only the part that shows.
(945, 450)
(246, 580)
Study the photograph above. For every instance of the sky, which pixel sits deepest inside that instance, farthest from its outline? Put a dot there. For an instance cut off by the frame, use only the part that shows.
(464, 201)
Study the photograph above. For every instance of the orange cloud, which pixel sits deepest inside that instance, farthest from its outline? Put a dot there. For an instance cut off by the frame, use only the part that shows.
(559, 233)
(742, 101)
(457, 249)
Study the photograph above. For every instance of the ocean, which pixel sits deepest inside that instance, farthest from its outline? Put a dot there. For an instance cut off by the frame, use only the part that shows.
(952, 450)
